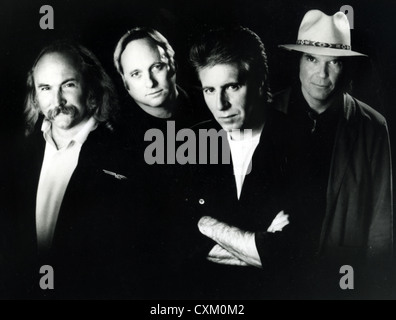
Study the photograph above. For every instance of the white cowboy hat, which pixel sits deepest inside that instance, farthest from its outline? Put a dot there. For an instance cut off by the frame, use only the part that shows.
(324, 35)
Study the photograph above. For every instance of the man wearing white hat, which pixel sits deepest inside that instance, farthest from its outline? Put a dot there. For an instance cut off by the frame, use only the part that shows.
(346, 199)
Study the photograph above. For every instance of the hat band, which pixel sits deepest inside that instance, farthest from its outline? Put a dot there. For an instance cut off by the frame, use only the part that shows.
(324, 44)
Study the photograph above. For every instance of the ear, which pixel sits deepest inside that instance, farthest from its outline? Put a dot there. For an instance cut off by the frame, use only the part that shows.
(33, 99)
(125, 83)
(171, 69)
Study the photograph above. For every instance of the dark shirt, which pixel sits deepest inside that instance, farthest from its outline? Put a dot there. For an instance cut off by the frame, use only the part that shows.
(154, 185)
(135, 121)
(316, 135)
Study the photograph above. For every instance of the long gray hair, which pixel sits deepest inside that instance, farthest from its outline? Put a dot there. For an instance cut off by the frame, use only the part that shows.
(101, 95)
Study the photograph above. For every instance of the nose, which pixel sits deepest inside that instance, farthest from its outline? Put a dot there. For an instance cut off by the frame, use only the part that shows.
(323, 70)
(150, 80)
(222, 101)
(58, 98)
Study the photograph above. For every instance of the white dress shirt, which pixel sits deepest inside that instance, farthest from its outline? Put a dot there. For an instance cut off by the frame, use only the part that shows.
(57, 169)
(242, 151)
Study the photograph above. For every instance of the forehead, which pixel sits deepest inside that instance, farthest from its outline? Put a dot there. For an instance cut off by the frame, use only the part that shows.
(55, 66)
(141, 53)
(220, 74)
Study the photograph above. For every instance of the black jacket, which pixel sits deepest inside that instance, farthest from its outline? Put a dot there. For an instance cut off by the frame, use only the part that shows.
(92, 244)
(212, 192)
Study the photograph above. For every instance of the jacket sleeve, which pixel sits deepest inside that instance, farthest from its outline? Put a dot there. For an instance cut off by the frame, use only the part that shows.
(380, 237)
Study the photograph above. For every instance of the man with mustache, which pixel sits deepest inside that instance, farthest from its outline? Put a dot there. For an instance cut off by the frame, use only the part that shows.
(69, 207)
(343, 185)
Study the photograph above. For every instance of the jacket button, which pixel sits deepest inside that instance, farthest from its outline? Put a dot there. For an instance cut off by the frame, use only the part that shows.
(201, 201)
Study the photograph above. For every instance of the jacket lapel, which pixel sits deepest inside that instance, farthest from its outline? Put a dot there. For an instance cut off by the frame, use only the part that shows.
(342, 153)
(32, 155)
(87, 172)
(259, 163)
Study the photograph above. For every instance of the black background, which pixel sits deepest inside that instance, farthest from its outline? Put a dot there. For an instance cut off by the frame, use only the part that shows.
(99, 24)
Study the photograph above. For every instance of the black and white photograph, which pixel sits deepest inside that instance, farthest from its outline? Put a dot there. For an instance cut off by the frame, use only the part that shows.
(221, 150)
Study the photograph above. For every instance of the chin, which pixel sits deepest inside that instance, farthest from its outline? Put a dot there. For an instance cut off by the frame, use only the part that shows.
(323, 96)
(64, 123)
(156, 103)
(230, 127)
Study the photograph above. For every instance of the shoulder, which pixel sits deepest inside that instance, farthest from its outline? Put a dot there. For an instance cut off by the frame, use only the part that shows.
(280, 125)
(280, 100)
(102, 144)
(207, 124)
(277, 117)
(357, 110)
(26, 146)
(101, 136)
(183, 95)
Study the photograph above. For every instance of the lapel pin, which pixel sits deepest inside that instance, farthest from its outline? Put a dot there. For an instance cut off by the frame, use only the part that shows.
(115, 175)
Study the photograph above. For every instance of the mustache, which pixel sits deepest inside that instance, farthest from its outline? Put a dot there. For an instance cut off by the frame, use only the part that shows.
(53, 113)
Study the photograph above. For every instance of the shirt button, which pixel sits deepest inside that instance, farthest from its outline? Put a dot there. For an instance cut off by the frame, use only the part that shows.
(201, 201)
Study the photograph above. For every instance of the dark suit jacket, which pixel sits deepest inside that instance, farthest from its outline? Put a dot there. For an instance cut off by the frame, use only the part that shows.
(359, 211)
(158, 253)
(91, 235)
(213, 193)
(357, 228)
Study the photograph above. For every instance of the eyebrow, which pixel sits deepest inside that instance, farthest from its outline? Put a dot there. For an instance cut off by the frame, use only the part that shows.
(223, 86)
(312, 56)
(154, 63)
(63, 82)
(134, 70)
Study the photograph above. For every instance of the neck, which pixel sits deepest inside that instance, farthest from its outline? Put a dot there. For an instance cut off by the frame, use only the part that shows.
(62, 136)
(166, 110)
(256, 126)
(321, 106)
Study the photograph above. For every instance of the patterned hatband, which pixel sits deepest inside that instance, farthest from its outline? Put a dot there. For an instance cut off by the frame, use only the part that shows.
(324, 44)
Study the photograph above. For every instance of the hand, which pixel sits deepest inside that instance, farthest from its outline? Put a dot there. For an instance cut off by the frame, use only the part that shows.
(238, 243)
(220, 255)
(235, 246)
(281, 220)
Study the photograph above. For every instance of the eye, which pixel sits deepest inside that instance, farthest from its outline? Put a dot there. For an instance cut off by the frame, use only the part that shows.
(310, 58)
(44, 88)
(208, 91)
(70, 85)
(158, 67)
(233, 87)
(336, 62)
(135, 74)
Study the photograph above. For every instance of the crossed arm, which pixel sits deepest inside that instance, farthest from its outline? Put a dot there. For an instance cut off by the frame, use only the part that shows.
(235, 246)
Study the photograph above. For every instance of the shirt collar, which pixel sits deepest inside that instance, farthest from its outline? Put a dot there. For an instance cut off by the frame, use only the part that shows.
(252, 138)
(80, 137)
(300, 108)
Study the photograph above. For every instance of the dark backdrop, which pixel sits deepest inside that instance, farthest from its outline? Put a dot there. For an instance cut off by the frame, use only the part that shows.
(99, 24)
